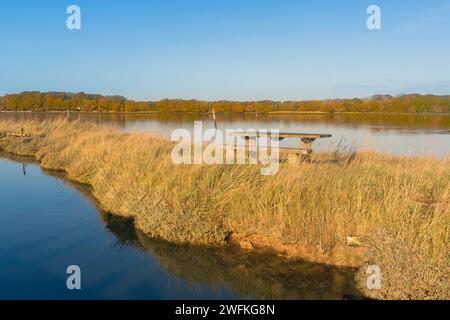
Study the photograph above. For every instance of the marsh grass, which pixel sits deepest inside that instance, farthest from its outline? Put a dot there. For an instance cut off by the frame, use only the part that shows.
(398, 206)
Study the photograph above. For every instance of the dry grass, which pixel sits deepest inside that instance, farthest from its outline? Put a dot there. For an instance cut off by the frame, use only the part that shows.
(398, 206)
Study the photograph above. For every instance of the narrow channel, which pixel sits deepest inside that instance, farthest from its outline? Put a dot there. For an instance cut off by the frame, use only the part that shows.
(48, 223)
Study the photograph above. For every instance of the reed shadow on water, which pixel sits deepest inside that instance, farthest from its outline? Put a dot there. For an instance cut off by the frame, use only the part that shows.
(252, 274)
(255, 274)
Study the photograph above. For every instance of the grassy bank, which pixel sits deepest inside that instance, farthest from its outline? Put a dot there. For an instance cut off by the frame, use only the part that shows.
(399, 207)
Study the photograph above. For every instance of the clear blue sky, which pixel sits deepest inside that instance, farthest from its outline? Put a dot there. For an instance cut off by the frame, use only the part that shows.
(226, 49)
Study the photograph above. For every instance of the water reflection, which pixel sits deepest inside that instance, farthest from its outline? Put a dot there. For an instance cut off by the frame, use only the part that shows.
(257, 274)
(375, 121)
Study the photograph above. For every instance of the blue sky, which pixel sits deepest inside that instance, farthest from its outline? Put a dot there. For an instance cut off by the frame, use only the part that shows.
(226, 49)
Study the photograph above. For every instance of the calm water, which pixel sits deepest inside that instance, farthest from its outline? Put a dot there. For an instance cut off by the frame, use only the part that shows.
(399, 134)
(47, 224)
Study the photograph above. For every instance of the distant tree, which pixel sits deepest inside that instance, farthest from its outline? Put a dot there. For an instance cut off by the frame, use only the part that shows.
(60, 101)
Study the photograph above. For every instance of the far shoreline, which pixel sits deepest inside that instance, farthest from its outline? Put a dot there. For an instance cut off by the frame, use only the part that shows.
(234, 113)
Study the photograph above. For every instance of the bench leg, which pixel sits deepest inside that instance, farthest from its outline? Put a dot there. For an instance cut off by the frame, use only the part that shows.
(305, 158)
(251, 150)
(306, 150)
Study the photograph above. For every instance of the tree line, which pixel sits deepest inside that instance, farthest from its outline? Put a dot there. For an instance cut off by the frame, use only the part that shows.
(83, 102)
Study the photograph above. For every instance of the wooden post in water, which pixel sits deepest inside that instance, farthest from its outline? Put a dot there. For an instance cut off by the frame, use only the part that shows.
(214, 117)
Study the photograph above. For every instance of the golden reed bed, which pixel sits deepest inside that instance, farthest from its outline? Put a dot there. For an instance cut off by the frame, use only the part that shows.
(398, 207)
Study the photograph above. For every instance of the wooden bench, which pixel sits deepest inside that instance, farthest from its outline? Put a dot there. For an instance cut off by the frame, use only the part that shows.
(306, 141)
